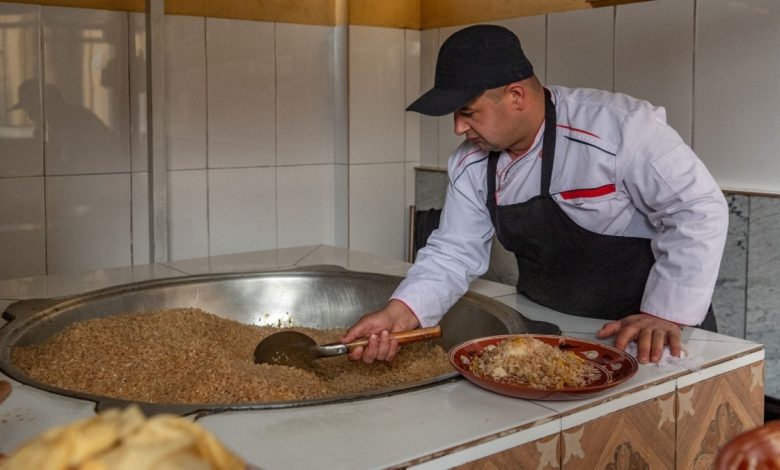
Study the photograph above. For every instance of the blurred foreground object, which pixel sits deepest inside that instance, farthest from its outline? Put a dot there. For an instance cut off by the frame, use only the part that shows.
(124, 440)
(5, 390)
(757, 449)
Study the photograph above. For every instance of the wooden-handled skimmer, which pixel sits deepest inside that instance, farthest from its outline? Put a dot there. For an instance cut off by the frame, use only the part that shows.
(292, 348)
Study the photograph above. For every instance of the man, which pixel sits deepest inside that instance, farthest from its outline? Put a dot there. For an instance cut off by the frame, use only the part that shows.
(609, 213)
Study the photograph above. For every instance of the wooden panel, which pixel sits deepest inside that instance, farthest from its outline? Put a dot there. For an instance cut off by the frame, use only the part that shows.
(542, 454)
(412, 14)
(384, 13)
(319, 12)
(441, 13)
(712, 412)
(639, 437)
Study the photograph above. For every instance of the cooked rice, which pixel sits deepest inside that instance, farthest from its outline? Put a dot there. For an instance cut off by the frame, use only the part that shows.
(527, 361)
(191, 356)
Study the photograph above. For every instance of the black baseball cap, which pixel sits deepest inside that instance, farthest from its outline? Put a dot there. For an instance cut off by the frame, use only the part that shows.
(471, 61)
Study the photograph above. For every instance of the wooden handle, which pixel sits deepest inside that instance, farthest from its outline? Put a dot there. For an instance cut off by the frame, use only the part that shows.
(404, 337)
(5, 390)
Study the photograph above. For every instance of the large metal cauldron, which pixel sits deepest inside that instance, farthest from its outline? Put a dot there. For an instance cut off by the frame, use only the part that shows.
(319, 297)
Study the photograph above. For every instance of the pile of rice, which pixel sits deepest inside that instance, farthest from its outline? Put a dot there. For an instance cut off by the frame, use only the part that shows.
(527, 361)
(191, 356)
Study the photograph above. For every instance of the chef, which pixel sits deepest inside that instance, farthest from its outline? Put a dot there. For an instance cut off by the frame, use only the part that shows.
(609, 213)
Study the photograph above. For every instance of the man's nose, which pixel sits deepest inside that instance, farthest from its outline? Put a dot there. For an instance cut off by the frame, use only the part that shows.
(460, 126)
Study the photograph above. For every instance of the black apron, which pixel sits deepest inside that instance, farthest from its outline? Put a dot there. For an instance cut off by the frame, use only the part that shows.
(562, 265)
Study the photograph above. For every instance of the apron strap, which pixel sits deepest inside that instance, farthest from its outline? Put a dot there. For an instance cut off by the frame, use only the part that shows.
(548, 157)
(548, 144)
(491, 186)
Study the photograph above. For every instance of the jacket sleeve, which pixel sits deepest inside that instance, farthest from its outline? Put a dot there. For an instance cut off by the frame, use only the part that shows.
(458, 251)
(669, 183)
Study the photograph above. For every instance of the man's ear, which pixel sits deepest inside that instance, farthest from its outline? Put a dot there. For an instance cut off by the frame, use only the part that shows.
(518, 95)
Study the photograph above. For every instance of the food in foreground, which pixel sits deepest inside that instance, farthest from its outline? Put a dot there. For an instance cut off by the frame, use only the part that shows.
(191, 356)
(527, 361)
(124, 439)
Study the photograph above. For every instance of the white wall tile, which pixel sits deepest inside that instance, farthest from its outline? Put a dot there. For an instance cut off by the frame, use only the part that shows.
(532, 32)
(187, 214)
(341, 94)
(137, 73)
(21, 142)
(241, 93)
(140, 217)
(341, 203)
(22, 228)
(86, 106)
(185, 92)
(580, 48)
(429, 126)
(376, 94)
(376, 201)
(242, 210)
(654, 59)
(737, 93)
(307, 204)
(88, 222)
(304, 94)
(412, 91)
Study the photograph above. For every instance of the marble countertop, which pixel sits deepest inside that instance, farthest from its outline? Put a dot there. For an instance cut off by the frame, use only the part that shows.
(434, 427)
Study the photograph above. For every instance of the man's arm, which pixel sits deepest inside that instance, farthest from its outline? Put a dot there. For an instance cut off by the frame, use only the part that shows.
(681, 199)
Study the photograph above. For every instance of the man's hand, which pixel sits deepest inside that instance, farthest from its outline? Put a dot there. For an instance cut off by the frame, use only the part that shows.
(651, 334)
(377, 326)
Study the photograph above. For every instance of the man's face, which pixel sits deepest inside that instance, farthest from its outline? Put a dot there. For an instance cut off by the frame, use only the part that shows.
(485, 121)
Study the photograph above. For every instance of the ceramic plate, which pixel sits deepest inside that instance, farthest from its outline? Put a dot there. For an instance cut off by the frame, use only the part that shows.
(615, 367)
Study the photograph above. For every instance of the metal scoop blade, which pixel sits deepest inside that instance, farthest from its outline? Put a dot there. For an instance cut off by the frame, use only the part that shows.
(295, 349)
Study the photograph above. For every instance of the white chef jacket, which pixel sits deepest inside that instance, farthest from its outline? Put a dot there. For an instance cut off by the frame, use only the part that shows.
(619, 169)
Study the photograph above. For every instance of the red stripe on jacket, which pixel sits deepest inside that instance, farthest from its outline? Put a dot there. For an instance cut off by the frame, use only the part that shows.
(591, 192)
(574, 129)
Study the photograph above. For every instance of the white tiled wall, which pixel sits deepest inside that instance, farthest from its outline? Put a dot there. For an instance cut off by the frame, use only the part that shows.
(140, 216)
(737, 92)
(137, 77)
(377, 147)
(242, 210)
(654, 59)
(87, 222)
(255, 128)
(580, 48)
(86, 93)
(185, 92)
(21, 139)
(247, 103)
(710, 64)
(187, 214)
(307, 206)
(376, 95)
(376, 206)
(22, 237)
(304, 95)
(241, 93)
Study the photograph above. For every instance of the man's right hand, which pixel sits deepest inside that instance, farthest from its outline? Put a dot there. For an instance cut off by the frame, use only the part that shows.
(377, 326)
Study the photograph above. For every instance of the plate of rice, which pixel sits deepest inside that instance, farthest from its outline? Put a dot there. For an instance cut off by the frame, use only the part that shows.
(542, 367)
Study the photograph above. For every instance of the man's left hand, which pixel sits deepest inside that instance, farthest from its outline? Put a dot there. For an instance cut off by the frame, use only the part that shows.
(651, 334)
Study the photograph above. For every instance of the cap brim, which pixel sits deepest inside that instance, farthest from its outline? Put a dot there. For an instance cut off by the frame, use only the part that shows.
(439, 101)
